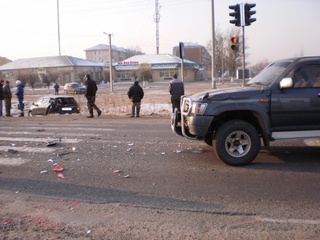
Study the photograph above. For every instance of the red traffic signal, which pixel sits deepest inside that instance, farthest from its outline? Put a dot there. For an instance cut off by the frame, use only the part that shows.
(234, 40)
(235, 43)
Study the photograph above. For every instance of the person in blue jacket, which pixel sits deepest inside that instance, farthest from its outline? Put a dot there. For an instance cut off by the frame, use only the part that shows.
(20, 95)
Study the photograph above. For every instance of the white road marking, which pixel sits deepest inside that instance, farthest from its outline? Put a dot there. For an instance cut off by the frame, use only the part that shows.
(28, 149)
(295, 221)
(13, 161)
(77, 134)
(63, 140)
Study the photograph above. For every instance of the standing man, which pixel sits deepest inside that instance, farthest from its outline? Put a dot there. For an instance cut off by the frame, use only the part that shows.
(1, 96)
(20, 95)
(56, 89)
(90, 94)
(176, 90)
(7, 98)
(135, 93)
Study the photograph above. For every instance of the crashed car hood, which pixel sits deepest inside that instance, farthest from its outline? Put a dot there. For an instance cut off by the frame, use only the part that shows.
(231, 93)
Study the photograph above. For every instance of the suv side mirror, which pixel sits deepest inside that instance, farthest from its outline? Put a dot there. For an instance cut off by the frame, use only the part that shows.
(286, 83)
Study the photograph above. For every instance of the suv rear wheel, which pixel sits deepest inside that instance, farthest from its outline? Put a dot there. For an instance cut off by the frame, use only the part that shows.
(237, 143)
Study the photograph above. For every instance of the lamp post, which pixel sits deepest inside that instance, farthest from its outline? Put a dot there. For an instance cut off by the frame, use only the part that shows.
(110, 62)
(213, 48)
(58, 17)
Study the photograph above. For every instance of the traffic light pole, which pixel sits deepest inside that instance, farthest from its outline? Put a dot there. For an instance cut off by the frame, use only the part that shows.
(242, 14)
(244, 56)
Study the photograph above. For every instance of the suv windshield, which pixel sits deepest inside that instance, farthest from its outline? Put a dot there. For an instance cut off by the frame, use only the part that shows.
(267, 76)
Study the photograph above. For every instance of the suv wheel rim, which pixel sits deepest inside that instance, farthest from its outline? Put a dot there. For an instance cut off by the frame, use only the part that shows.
(238, 143)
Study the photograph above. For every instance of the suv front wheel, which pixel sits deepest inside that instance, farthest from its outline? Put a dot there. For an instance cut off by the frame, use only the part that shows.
(237, 143)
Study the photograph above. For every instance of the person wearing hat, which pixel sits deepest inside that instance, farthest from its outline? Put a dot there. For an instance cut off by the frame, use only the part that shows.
(20, 95)
(90, 94)
(7, 98)
(1, 95)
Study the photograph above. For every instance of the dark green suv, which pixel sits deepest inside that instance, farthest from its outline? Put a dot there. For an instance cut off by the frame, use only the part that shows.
(282, 102)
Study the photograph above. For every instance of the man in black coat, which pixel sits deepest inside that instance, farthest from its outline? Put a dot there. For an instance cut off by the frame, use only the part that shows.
(135, 93)
(176, 90)
(1, 95)
(90, 94)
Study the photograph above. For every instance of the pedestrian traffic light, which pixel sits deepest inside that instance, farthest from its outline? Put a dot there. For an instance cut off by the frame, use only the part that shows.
(248, 13)
(236, 14)
(234, 43)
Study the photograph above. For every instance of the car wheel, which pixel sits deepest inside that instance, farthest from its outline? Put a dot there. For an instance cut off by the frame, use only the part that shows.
(30, 114)
(237, 143)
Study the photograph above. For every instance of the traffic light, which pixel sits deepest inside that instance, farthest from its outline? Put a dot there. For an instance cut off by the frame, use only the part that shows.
(248, 13)
(236, 14)
(235, 44)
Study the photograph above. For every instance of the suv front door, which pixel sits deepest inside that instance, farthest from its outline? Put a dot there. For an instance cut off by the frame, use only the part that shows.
(298, 107)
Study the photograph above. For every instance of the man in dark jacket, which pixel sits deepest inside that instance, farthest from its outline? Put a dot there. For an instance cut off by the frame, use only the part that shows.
(176, 90)
(7, 98)
(135, 93)
(90, 94)
(20, 96)
(1, 95)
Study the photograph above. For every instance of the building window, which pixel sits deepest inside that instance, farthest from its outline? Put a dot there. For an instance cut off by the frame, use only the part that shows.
(124, 75)
(168, 73)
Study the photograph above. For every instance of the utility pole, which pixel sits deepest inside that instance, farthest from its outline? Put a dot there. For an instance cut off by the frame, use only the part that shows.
(157, 20)
(110, 62)
(213, 46)
(58, 27)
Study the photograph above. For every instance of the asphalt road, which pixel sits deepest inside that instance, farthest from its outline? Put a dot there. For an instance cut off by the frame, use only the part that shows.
(140, 163)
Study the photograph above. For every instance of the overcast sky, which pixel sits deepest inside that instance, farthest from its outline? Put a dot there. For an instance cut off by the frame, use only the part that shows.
(284, 28)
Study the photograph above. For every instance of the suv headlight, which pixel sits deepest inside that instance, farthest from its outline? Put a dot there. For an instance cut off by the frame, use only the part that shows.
(199, 108)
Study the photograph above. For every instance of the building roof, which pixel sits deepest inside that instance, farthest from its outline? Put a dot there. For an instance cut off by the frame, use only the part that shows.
(48, 62)
(102, 47)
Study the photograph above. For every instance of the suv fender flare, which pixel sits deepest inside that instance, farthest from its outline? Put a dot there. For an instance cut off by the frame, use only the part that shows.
(257, 110)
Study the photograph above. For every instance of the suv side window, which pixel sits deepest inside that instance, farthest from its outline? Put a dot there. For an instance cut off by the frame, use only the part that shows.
(306, 76)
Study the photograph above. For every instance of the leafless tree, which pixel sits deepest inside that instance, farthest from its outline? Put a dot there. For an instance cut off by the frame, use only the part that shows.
(255, 69)
(145, 72)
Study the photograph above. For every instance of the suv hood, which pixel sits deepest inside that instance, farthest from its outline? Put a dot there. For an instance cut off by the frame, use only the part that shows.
(231, 93)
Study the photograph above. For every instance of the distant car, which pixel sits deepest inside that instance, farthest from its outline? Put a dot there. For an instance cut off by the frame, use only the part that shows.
(54, 104)
(74, 88)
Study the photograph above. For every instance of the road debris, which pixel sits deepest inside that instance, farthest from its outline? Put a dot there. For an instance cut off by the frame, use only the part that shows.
(58, 168)
(12, 151)
(60, 175)
(51, 143)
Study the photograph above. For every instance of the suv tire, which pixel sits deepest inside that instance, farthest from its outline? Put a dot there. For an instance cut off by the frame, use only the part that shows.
(237, 143)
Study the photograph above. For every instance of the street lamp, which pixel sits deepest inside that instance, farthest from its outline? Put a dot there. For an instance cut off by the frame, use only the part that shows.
(58, 17)
(110, 61)
(213, 48)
